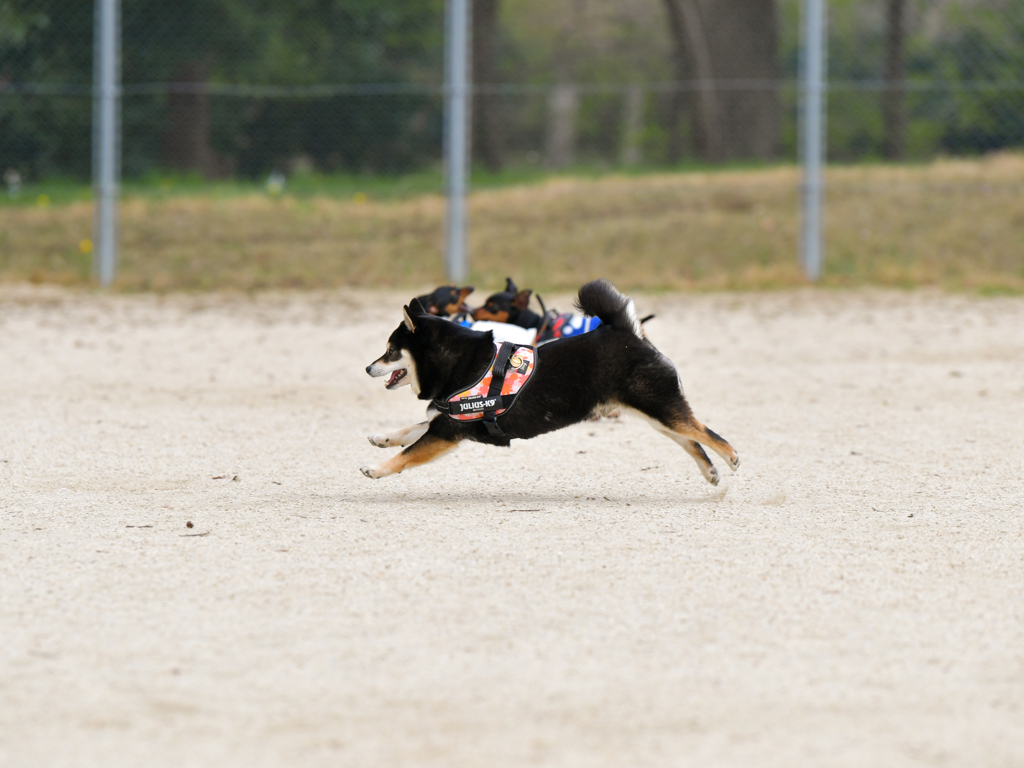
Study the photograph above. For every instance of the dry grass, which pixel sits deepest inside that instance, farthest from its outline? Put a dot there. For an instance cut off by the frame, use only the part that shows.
(958, 224)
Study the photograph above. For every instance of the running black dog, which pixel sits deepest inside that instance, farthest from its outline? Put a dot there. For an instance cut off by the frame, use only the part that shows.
(492, 393)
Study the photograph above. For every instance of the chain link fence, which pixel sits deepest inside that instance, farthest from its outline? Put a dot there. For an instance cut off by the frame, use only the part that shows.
(344, 101)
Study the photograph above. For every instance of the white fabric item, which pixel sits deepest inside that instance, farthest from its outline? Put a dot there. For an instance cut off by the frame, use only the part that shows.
(506, 331)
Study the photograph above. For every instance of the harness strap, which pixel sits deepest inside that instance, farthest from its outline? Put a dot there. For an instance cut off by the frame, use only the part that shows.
(494, 391)
(501, 403)
(500, 364)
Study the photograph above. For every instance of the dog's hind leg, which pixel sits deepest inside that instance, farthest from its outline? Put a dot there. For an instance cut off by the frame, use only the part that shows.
(682, 425)
(694, 430)
(402, 437)
(703, 462)
(692, 447)
(671, 415)
(427, 448)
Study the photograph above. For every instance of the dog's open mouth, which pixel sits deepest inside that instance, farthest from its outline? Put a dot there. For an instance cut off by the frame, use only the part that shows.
(396, 377)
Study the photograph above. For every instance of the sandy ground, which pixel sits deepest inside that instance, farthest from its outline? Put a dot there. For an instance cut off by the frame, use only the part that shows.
(853, 596)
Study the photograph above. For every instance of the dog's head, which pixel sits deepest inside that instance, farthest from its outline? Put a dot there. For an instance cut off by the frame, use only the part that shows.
(446, 300)
(398, 359)
(505, 306)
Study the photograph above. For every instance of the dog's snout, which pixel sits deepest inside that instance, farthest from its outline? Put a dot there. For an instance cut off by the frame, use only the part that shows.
(368, 368)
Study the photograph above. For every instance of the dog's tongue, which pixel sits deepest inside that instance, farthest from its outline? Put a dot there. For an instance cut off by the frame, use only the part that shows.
(395, 376)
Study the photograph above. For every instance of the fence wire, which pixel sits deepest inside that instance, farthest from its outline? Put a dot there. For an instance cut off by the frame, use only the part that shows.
(262, 90)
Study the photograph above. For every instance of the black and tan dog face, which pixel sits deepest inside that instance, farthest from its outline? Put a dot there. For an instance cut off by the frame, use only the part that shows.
(446, 300)
(502, 307)
(397, 359)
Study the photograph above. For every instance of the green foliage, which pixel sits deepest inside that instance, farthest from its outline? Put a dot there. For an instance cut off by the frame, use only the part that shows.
(252, 42)
(986, 51)
(964, 61)
(299, 43)
(48, 43)
(964, 65)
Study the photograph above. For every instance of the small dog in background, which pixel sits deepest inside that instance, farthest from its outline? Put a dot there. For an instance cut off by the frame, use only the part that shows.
(490, 392)
(509, 306)
(446, 300)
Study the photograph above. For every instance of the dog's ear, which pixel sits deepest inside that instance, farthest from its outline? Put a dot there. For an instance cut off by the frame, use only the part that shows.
(464, 292)
(418, 307)
(510, 287)
(522, 299)
(407, 318)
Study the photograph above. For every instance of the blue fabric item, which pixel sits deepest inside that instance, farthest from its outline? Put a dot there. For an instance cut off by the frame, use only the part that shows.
(578, 324)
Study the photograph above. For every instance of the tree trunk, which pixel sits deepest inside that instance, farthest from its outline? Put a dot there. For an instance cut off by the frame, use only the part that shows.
(630, 152)
(487, 144)
(680, 73)
(707, 129)
(743, 38)
(894, 113)
(563, 103)
(692, 58)
(185, 145)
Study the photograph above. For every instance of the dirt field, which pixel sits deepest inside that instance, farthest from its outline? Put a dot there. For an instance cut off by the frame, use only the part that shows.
(853, 596)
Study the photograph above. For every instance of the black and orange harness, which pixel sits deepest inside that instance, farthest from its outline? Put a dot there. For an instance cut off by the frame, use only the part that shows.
(496, 391)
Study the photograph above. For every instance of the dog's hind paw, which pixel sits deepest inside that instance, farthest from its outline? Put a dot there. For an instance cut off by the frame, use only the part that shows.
(712, 475)
(381, 441)
(370, 472)
(734, 462)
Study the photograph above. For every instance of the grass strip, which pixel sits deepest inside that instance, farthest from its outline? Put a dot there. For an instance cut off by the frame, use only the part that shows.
(956, 224)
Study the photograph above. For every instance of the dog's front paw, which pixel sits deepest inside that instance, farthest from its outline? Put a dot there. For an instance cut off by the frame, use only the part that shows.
(734, 462)
(370, 472)
(381, 441)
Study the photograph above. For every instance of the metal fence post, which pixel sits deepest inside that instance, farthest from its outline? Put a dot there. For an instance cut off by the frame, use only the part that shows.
(106, 137)
(456, 136)
(813, 134)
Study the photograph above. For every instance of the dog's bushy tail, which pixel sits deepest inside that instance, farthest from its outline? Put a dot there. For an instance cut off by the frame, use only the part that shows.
(599, 298)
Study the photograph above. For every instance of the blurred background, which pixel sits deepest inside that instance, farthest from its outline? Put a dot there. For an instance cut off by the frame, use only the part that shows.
(298, 143)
